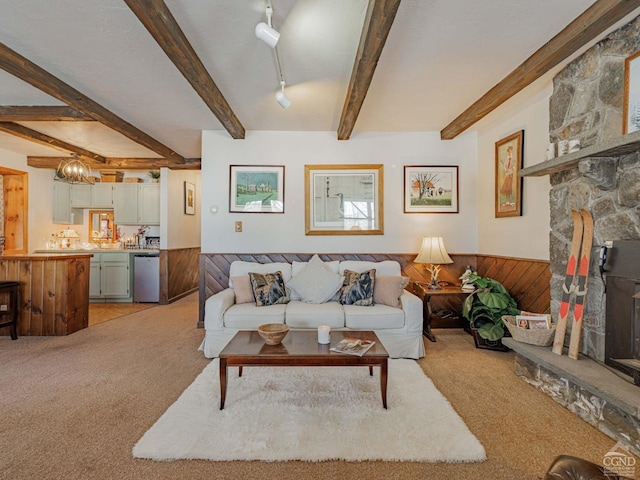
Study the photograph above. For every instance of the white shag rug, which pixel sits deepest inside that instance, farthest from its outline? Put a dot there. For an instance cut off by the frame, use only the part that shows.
(312, 414)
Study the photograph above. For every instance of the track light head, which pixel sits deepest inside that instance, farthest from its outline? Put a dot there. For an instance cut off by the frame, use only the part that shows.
(281, 98)
(267, 34)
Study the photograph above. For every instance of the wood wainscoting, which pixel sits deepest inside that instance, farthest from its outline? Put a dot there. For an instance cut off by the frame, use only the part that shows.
(527, 280)
(178, 273)
(54, 292)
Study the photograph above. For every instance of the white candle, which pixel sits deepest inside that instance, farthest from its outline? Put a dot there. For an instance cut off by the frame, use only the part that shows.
(324, 334)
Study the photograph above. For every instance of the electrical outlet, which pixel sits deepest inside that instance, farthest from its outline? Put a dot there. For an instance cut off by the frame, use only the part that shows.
(4, 308)
(238, 227)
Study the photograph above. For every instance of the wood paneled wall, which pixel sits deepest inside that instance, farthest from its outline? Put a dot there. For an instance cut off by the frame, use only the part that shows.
(527, 280)
(178, 273)
(54, 293)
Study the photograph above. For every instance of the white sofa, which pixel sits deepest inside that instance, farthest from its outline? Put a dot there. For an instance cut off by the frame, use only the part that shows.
(399, 329)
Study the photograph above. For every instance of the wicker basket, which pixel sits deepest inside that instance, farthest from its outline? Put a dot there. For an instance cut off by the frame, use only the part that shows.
(542, 337)
(132, 180)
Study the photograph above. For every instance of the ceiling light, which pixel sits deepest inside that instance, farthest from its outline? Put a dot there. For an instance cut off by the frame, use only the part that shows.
(73, 170)
(282, 98)
(265, 31)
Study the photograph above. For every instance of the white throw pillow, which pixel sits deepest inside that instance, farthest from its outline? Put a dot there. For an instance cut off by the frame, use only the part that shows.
(315, 283)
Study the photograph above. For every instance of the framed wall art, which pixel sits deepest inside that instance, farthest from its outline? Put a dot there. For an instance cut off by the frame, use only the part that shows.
(344, 199)
(189, 198)
(508, 184)
(430, 189)
(631, 106)
(256, 188)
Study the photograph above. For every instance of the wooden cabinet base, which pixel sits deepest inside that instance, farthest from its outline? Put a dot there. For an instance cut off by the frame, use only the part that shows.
(54, 292)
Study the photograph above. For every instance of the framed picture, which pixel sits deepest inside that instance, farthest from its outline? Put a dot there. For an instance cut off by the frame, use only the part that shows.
(343, 199)
(631, 107)
(256, 188)
(189, 198)
(430, 189)
(508, 185)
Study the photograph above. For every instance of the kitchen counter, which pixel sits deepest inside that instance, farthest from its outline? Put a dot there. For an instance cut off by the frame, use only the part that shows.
(79, 251)
(48, 255)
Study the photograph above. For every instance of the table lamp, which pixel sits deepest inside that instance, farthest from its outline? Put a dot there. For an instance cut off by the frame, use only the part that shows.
(433, 252)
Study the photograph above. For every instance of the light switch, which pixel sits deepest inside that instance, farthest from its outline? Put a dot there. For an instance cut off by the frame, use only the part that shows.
(238, 226)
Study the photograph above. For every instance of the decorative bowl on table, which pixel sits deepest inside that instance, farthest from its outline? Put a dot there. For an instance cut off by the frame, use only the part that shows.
(273, 333)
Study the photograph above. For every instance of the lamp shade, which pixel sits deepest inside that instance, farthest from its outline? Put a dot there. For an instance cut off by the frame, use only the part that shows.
(433, 251)
(267, 34)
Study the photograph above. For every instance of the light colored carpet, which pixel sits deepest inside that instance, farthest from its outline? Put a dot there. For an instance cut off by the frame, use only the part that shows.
(312, 414)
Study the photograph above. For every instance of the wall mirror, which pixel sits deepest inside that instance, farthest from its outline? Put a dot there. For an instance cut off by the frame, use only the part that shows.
(343, 200)
(101, 226)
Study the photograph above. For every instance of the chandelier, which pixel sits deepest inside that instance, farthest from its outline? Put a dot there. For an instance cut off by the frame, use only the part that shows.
(73, 170)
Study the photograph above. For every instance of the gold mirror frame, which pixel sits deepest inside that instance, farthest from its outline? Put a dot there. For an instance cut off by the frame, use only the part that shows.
(102, 228)
(344, 199)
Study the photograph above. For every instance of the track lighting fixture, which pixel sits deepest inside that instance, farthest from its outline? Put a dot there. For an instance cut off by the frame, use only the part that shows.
(270, 36)
(281, 98)
(266, 32)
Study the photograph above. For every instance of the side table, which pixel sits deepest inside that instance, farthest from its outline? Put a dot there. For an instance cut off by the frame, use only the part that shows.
(425, 294)
(12, 308)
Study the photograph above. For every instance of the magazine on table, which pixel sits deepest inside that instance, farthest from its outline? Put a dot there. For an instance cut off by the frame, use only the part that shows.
(353, 346)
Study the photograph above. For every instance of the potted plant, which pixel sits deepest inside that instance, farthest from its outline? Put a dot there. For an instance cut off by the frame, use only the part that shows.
(155, 176)
(484, 308)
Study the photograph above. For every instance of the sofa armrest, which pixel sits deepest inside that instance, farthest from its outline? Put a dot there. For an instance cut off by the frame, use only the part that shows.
(214, 308)
(412, 307)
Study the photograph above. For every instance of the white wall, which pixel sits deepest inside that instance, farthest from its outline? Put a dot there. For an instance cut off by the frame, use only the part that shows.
(285, 232)
(40, 198)
(178, 230)
(526, 236)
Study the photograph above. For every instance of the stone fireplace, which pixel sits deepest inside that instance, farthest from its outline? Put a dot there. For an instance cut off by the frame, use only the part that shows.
(603, 177)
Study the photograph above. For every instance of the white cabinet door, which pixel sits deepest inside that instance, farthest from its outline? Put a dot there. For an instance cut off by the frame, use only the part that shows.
(94, 276)
(149, 204)
(125, 204)
(81, 196)
(115, 277)
(62, 211)
(102, 195)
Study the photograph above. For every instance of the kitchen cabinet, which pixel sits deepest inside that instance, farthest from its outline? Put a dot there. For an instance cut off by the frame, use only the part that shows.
(136, 204)
(80, 195)
(102, 195)
(110, 276)
(63, 213)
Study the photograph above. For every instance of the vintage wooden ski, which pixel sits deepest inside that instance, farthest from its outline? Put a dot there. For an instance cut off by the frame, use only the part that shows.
(568, 286)
(581, 287)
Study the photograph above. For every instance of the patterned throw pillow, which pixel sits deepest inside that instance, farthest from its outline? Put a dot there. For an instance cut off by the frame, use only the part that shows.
(268, 288)
(357, 288)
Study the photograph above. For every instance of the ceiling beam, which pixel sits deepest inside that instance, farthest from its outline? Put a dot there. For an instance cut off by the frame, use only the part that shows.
(46, 140)
(120, 163)
(29, 72)
(377, 24)
(591, 23)
(162, 26)
(41, 114)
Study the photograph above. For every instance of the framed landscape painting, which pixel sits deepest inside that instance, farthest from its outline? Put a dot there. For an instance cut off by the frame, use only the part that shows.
(189, 198)
(256, 188)
(631, 108)
(343, 199)
(508, 184)
(430, 189)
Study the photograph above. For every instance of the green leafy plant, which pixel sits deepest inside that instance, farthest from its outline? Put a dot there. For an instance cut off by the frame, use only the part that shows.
(155, 174)
(486, 305)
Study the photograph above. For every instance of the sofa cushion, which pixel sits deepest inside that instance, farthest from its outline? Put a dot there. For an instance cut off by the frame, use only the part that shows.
(312, 315)
(357, 288)
(296, 267)
(242, 289)
(388, 290)
(268, 288)
(239, 268)
(376, 317)
(386, 267)
(248, 316)
(315, 283)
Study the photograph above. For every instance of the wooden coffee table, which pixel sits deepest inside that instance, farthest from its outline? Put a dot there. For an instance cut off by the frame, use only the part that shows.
(300, 348)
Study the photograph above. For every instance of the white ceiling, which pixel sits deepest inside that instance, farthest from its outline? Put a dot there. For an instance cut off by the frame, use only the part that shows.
(440, 56)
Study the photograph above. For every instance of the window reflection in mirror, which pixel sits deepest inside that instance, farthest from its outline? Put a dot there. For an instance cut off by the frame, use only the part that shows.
(101, 226)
